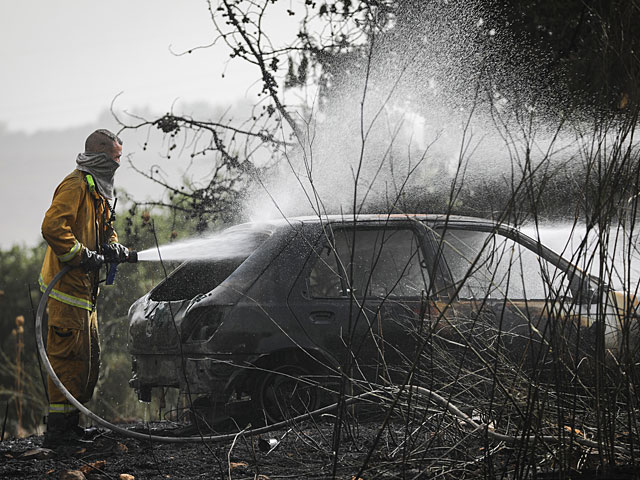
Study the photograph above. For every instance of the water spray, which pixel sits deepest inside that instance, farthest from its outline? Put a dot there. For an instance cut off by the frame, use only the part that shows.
(234, 242)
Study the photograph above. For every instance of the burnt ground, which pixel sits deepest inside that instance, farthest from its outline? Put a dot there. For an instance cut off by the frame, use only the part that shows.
(301, 451)
(297, 452)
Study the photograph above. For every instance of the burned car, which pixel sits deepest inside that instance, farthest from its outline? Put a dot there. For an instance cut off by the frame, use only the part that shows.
(336, 303)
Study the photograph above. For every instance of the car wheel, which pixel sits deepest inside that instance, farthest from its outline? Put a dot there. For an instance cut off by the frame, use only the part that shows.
(285, 392)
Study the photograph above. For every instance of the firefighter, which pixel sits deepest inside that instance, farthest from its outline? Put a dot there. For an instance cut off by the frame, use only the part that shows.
(78, 228)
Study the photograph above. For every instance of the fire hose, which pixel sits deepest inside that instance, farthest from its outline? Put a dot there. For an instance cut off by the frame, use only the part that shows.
(435, 397)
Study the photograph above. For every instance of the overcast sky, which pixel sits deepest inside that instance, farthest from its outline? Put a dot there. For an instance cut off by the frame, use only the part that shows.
(63, 63)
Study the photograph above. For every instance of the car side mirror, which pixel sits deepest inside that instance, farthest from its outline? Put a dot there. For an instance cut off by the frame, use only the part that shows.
(588, 295)
(585, 291)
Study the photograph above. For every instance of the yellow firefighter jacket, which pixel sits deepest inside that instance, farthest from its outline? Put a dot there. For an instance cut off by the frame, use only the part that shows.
(79, 218)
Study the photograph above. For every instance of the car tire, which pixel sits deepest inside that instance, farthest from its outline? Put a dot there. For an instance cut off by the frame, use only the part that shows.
(285, 392)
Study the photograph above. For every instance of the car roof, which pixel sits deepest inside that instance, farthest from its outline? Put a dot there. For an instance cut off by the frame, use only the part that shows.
(381, 217)
(434, 219)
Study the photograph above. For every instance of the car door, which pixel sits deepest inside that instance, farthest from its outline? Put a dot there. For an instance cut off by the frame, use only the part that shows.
(512, 301)
(364, 294)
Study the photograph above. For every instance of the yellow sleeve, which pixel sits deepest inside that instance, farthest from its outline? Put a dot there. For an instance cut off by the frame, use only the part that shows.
(57, 223)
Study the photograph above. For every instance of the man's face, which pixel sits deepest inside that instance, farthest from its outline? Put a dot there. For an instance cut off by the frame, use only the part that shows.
(116, 152)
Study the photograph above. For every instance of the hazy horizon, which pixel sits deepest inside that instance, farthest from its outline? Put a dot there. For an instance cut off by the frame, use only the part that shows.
(66, 64)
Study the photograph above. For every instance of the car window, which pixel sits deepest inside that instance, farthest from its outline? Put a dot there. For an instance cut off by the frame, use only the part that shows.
(489, 265)
(369, 262)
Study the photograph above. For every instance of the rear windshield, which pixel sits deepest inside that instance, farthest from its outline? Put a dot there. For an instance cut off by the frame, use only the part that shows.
(212, 260)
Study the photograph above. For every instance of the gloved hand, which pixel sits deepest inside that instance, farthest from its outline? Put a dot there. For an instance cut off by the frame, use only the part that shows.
(91, 260)
(115, 253)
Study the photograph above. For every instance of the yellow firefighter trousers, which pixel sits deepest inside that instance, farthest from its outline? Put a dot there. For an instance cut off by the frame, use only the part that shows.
(74, 353)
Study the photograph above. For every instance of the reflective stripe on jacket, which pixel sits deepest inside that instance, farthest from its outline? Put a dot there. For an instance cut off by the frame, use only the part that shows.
(75, 221)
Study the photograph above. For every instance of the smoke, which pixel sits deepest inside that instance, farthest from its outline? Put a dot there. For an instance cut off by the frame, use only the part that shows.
(445, 112)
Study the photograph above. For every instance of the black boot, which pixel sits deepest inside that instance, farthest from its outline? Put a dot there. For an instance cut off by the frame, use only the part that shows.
(63, 431)
(84, 433)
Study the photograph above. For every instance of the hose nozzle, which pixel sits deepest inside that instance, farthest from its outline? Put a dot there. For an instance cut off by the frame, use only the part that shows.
(132, 257)
(127, 256)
